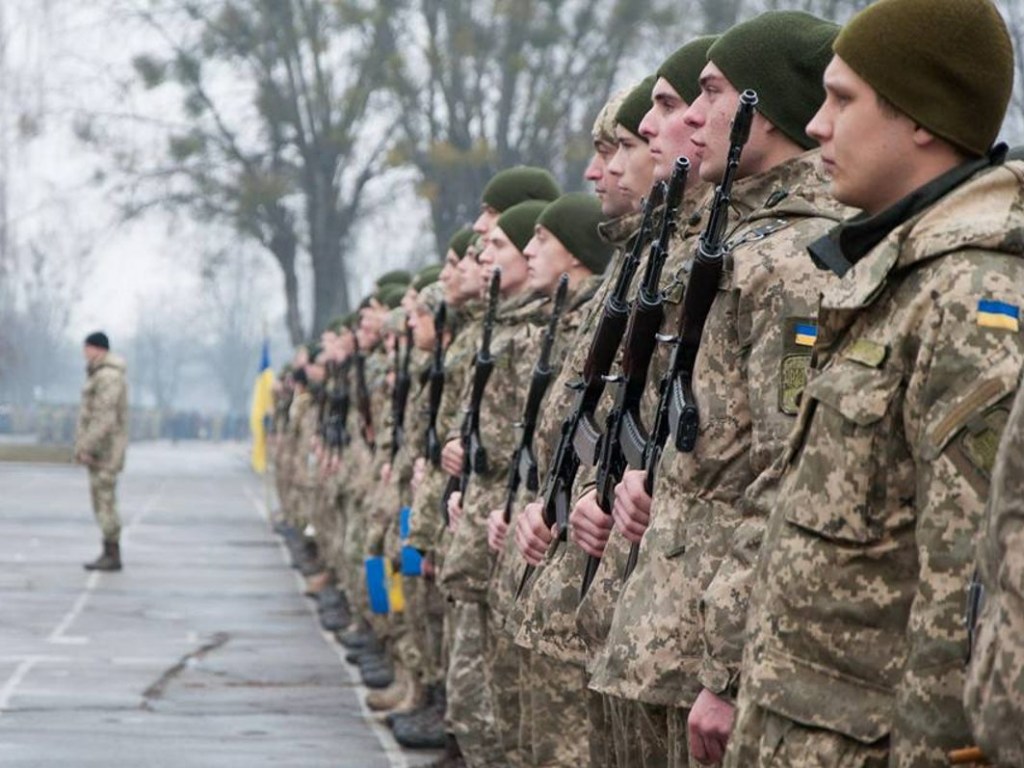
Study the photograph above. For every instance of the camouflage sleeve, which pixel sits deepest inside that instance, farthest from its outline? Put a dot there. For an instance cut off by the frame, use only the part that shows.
(779, 289)
(956, 406)
(994, 697)
(100, 425)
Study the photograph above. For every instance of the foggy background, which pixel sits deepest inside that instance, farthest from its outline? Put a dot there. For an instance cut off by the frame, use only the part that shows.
(190, 175)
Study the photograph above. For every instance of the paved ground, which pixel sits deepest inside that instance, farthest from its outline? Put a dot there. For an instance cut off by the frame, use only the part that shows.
(201, 653)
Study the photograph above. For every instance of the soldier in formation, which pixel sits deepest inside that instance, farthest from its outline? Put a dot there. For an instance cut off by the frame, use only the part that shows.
(708, 466)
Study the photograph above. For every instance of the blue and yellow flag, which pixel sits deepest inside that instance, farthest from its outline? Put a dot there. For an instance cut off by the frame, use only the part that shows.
(262, 408)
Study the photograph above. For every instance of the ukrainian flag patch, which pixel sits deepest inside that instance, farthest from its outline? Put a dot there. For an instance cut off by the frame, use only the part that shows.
(805, 334)
(998, 314)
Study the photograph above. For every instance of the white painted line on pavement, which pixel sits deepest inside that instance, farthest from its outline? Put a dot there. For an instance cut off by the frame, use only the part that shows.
(392, 751)
(58, 637)
(15, 680)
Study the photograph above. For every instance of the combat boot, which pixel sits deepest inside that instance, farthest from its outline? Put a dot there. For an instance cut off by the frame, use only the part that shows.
(452, 757)
(389, 698)
(110, 560)
(377, 673)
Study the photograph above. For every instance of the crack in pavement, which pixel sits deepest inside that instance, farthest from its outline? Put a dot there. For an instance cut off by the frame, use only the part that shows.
(157, 689)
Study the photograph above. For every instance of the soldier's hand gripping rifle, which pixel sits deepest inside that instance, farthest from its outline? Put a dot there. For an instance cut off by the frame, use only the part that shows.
(641, 339)
(677, 409)
(474, 455)
(432, 445)
(578, 428)
(403, 383)
(523, 470)
(363, 396)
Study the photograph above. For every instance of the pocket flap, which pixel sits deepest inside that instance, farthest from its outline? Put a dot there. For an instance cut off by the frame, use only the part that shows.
(862, 395)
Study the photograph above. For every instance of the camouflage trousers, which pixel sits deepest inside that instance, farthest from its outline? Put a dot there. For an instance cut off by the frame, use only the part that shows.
(763, 739)
(554, 725)
(602, 744)
(503, 660)
(429, 632)
(640, 733)
(470, 713)
(102, 489)
(679, 740)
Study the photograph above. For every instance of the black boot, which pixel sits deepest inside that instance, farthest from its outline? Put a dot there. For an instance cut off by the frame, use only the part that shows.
(452, 757)
(110, 560)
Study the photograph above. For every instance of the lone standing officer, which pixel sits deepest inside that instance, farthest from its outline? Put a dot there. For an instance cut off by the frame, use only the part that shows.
(101, 440)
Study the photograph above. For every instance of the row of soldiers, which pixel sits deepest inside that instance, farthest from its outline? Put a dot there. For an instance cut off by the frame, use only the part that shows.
(695, 470)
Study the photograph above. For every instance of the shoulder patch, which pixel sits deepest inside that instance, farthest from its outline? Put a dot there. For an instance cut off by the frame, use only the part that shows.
(866, 352)
(799, 336)
(998, 314)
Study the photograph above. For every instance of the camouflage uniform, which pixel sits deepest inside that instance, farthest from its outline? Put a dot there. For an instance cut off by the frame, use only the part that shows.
(856, 625)
(467, 568)
(102, 435)
(301, 429)
(994, 697)
(545, 679)
(750, 368)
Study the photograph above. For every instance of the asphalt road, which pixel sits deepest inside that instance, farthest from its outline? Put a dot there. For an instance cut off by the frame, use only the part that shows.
(202, 652)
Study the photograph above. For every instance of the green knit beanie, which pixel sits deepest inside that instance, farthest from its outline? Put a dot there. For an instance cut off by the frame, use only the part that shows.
(782, 55)
(604, 124)
(947, 64)
(390, 294)
(460, 241)
(395, 276)
(337, 324)
(636, 104)
(426, 276)
(682, 69)
(519, 220)
(516, 185)
(573, 219)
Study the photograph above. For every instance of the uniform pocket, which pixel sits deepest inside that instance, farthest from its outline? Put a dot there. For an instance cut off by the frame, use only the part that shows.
(848, 453)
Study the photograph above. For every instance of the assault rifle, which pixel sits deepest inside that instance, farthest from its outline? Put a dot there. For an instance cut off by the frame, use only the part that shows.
(363, 396)
(338, 407)
(474, 455)
(677, 408)
(645, 319)
(523, 470)
(432, 445)
(604, 343)
(400, 396)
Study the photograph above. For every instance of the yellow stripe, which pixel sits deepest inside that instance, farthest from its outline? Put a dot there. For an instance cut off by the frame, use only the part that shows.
(804, 340)
(996, 320)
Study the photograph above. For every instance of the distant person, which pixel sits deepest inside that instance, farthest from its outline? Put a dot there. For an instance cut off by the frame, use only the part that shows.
(101, 441)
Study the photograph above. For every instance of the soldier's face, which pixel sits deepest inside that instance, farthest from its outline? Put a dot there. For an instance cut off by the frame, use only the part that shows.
(615, 202)
(500, 252)
(469, 272)
(868, 152)
(447, 276)
(546, 260)
(486, 220)
(632, 168)
(421, 320)
(711, 116)
(668, 133)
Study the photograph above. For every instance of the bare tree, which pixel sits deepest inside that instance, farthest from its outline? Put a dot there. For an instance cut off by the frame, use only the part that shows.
(487, 85)
(275, 138)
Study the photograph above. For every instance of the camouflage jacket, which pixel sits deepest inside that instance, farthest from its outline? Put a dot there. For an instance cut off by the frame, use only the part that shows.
(427, 523)
(548, 622)
(301, 429)
(858, 616)
(514, 346)
(509, 569)
(102, 431)
(995, 681)
(750, 368)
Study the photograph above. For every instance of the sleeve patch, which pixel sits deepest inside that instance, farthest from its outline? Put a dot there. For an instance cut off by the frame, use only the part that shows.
(998, 314)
